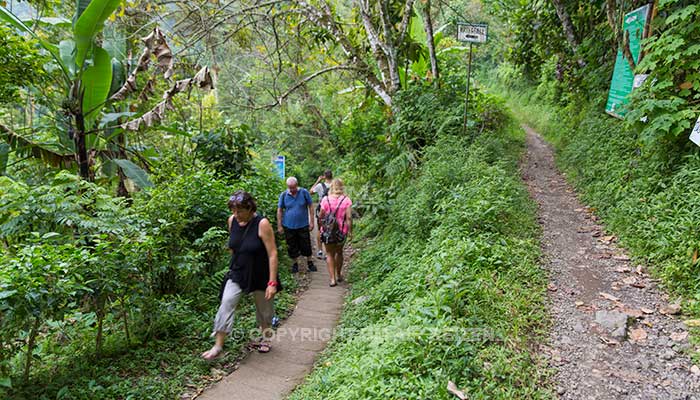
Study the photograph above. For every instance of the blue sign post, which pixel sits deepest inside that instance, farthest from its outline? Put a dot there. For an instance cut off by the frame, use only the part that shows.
(280, 164)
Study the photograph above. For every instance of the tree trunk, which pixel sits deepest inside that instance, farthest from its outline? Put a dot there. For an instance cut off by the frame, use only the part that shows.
(125, 318)
(122, 191)
(100, 312)
(30, 349)
(566, 24)
(431, 44)
(80, 147)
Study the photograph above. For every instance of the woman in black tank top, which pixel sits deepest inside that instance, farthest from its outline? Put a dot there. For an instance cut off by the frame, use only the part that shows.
(253, 269)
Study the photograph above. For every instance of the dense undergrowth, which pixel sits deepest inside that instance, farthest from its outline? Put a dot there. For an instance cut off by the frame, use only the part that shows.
(448, 285)
(645, 193)
(112, 299)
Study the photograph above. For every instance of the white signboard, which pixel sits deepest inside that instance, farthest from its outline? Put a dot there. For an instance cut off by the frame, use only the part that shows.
(639, 80)
(695, 134)
(474, 33)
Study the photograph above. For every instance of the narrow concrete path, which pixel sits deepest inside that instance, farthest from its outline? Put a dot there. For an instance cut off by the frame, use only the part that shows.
(614, 334)
(294, 349)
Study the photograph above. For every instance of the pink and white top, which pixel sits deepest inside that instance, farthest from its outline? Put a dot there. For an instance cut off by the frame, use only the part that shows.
(330, 203)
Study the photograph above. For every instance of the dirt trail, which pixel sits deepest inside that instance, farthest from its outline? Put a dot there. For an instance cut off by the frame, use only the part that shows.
(294, 350)
(612, 336)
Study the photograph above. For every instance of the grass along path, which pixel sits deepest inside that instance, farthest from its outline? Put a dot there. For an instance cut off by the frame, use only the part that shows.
(446, 287)
(612, 336)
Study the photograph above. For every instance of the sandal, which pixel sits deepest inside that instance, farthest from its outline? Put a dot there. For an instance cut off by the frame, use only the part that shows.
(264, 347)
(333, 284)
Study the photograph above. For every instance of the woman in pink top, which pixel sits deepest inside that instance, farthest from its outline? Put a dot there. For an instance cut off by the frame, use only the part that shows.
(336, 226)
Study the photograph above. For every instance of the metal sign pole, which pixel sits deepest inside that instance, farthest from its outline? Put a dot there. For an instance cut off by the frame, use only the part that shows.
(466, 99)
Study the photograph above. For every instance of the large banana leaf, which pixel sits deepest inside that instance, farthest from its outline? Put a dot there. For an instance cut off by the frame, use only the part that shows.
(89, 24)
(134, 172)
(10, 18)
(52, 153)
(66, 49)
(80, 6)
(96, 82)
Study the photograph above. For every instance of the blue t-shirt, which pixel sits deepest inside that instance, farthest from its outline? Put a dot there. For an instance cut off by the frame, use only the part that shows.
(296, 208)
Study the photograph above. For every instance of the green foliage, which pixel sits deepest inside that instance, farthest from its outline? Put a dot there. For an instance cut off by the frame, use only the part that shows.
(452, 286)
(668, 101)
(21, 64)
(225, 150)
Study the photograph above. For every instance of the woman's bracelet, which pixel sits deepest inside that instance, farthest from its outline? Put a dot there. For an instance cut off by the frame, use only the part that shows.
(272, 283)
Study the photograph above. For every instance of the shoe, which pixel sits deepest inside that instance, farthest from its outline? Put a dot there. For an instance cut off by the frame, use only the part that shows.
(320, 255)
(295, 268)
(312, 267)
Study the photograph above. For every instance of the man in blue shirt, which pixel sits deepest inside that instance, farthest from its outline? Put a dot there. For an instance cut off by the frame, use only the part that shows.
(295, 218)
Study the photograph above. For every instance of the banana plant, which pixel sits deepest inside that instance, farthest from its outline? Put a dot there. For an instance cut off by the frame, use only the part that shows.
(85, 68)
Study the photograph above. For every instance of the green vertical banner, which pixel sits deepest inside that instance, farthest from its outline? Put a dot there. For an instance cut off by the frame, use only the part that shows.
(623, 76)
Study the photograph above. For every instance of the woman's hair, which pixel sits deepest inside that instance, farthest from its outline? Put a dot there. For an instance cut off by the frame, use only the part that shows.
(328, 174)
(242, 199)
(337, 187)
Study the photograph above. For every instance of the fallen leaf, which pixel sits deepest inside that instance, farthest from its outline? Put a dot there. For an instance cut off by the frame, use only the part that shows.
(639, 270)
(629, 280)
(621, 257)
(552, 287)
(632, 312)
(608, 296)
(646, 310)
(608, 239)
(623, 270)
(579, 303)
(695, 256)
(671, 309)
(452, 388)
(686, 85)
(679, 336)
(607, 341)
(638, 285)
(693, 323)
(695, 370)
(638, 334)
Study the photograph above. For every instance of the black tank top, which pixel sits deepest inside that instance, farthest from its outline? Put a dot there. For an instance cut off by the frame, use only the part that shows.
(250, 267)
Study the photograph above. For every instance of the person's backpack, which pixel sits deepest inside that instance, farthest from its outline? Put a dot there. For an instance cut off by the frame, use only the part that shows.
(332, 231)
(321, 195)
(325, 191)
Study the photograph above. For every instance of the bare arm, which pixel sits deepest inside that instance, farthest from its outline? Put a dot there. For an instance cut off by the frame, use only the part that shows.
(311, 217)
(268, 237)
(313, 187)
(348, 219)
(230, 221)
(279, 220)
